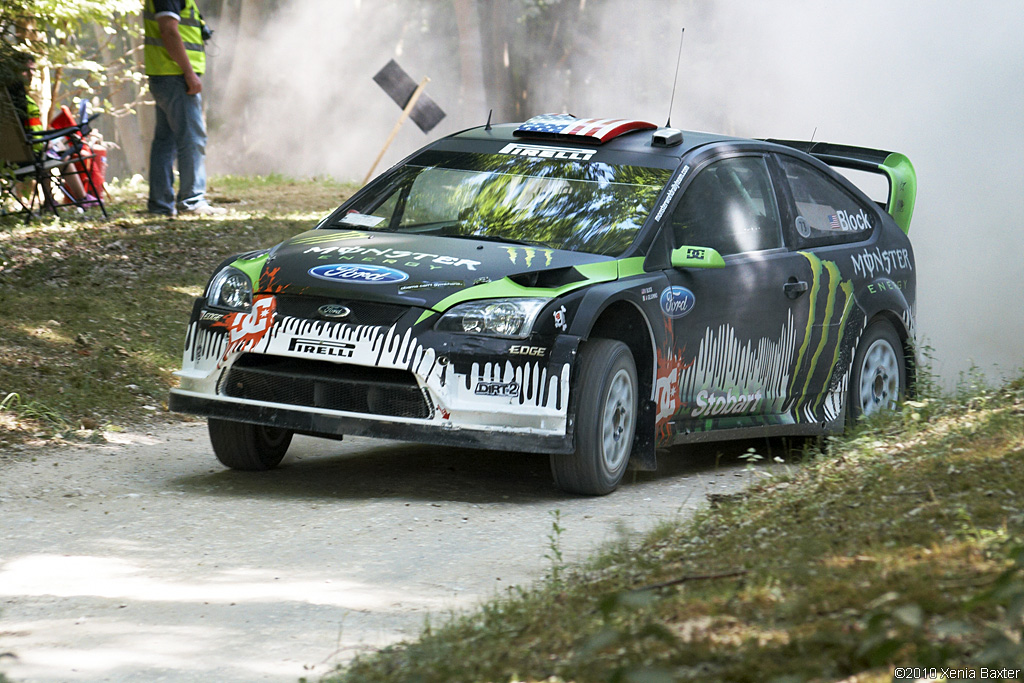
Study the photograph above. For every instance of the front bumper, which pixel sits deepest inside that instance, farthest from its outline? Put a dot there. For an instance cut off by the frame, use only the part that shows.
(333, 424)
(401, 381)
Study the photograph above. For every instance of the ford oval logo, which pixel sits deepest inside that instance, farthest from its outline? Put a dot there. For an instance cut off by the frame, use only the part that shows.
(334, 311)
(677, 301)
(367, 274)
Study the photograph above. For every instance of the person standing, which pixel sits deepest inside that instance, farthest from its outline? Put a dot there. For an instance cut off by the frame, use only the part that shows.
(175, 62)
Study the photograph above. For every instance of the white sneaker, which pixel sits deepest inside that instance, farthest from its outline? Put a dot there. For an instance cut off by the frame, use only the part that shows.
(204, 209)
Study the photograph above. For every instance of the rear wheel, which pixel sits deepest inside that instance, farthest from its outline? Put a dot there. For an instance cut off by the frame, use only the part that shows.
(606, 414)
(244, 446)
(879, 376)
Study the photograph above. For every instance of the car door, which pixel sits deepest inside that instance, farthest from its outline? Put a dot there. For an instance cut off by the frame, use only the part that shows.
(739, 330)
(830, 228)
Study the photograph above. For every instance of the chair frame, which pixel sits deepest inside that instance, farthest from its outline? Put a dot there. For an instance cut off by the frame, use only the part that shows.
(19, 162)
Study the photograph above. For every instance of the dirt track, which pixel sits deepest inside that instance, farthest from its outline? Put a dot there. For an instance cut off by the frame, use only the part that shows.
(147, 561)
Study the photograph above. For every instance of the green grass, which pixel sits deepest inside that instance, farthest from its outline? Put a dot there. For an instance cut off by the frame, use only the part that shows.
(93, 312)
(901, 546)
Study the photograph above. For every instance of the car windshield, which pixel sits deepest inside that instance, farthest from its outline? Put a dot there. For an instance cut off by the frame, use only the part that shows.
(584, 206)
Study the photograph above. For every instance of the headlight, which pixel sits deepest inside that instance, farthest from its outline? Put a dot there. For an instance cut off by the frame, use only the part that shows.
(499, 317)
(230, 288)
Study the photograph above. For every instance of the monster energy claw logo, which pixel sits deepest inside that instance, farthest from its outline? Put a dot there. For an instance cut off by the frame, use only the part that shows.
(819, 345)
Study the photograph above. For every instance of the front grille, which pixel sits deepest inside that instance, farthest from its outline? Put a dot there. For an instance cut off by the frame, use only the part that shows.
(363, 312)
(319, 384)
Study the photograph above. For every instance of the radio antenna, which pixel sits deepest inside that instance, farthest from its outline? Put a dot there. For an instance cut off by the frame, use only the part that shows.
(668, 124)
(488, 126)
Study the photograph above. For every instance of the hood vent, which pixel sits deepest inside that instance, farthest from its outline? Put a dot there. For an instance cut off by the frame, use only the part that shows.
(548, 279)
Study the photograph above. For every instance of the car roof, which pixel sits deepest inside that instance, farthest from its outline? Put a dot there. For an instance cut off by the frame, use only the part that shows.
(632, 142)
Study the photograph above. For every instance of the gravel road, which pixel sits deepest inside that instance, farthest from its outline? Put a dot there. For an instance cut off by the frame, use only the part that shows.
(144, 560)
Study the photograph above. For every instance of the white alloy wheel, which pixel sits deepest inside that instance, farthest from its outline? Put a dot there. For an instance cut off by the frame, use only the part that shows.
(619, 416)
(879, 377)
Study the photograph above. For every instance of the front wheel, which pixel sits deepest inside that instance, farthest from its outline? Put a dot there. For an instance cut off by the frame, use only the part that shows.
(606, 414)
(244, 446)
(878, 379)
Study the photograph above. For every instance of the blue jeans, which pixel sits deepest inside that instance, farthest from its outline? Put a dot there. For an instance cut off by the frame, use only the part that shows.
(180, 133)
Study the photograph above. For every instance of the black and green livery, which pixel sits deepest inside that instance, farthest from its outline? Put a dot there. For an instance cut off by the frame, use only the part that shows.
(593, 289)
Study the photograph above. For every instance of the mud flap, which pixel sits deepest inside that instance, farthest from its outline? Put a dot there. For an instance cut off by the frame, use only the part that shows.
(644, 457)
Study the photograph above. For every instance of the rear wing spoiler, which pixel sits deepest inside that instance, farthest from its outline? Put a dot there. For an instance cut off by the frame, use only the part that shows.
(898, 169)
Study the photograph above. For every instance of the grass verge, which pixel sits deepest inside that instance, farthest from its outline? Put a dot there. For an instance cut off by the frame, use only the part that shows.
(900, 547)
(93, 312)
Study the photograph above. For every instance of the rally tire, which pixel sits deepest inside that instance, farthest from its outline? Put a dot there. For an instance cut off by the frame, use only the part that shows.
(249, 447)
(606, 416)
(878, 378)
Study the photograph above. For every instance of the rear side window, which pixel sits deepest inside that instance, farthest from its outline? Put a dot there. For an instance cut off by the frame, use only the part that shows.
(826, 212)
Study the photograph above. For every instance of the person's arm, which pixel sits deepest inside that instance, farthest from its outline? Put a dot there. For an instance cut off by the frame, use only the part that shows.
(176, 49)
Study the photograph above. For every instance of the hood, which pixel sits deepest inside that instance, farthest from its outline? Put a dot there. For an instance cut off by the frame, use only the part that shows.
(409, 269)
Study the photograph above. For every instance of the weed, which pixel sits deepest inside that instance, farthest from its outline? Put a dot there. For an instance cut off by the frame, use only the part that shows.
(34, 411)
(554, 554)
(751, 456)
(926, 383)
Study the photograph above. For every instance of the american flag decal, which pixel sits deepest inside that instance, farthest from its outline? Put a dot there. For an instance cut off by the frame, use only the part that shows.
(568, 126)
(833, 221)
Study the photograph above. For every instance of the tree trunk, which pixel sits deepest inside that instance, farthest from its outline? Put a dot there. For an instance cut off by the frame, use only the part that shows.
(127, 131)
(495, 31)
(470, 52)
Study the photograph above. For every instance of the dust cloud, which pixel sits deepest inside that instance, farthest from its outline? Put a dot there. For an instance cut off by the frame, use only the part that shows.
(938, 81)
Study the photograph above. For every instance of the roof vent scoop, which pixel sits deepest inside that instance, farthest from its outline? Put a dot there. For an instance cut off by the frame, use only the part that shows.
(667, 137)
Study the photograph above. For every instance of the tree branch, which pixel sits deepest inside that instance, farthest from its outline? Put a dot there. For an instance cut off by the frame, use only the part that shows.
(695, 577)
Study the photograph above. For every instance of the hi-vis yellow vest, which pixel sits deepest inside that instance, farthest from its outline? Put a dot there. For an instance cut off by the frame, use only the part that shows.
(158, 61)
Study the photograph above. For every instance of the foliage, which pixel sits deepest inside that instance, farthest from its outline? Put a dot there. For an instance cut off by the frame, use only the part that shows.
(12, 63)
(85, 45)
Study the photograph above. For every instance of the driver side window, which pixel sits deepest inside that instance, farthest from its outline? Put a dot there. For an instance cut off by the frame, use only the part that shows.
(729, 206)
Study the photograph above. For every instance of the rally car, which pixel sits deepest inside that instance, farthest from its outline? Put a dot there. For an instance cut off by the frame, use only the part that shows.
(593, 289)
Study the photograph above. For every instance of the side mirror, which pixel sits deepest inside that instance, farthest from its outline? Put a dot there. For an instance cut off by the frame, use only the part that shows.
(697, 257)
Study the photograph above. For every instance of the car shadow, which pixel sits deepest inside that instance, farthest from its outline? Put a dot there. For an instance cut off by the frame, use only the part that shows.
(329, 470)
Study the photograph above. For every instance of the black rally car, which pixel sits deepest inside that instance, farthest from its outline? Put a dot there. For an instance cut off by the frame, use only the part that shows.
(592, 289)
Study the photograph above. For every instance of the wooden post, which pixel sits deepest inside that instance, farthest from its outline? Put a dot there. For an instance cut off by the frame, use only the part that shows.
(394, 131)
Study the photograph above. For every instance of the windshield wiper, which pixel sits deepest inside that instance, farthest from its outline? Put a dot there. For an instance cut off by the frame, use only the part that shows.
(498, 238)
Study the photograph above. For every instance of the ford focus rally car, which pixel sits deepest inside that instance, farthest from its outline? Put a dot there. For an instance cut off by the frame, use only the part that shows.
(591, 289)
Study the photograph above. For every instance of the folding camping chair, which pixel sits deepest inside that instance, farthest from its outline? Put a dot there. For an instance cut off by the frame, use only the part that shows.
(20, 162)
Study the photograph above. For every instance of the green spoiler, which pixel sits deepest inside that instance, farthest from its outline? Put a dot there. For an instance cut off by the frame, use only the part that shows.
(897, 167)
